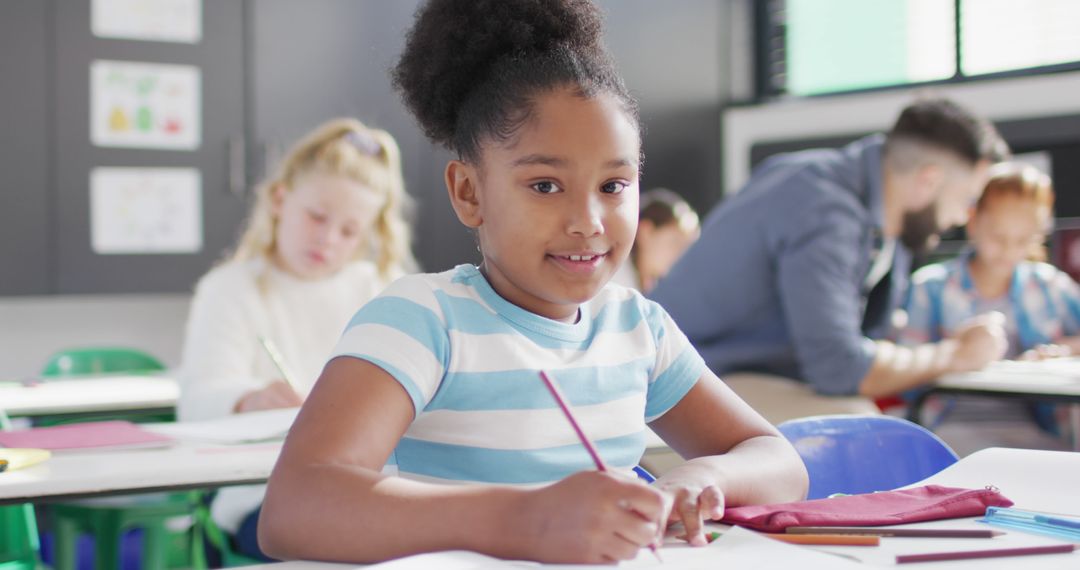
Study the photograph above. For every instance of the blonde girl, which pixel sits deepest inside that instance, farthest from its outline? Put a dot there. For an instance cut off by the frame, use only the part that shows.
(327, 232)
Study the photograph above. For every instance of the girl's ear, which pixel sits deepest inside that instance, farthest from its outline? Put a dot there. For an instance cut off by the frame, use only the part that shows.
(461, 186)
(277, 198)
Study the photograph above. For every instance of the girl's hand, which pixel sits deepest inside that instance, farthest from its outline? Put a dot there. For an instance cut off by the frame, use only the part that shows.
(592, 517)
(692, 499)
(1044, 351)
(979, 341)
(277, 394)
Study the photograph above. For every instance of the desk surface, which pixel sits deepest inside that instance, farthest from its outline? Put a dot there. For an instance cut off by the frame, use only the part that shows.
(1058, 377)
(88, 394)
(86, 474)
(1036, 480)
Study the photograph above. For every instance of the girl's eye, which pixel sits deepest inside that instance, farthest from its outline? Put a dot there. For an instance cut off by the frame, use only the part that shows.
(613, 187)
(317, 217)
(545, 187)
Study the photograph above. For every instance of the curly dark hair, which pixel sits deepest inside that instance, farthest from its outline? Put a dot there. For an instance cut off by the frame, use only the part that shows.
(471, 68)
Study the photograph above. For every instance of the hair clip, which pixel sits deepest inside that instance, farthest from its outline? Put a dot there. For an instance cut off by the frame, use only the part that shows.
(364, 142)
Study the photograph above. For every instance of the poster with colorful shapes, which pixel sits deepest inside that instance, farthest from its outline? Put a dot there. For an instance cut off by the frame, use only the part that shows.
(145, 105)
(145, 210)
(155, 20)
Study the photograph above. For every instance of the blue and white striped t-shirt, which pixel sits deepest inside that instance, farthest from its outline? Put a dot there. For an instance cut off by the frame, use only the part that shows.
(469, 360)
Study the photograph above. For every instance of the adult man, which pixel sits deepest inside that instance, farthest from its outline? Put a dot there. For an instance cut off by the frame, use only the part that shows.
(797, 275)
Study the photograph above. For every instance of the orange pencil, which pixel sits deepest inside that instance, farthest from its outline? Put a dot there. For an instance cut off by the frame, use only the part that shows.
(827, 539)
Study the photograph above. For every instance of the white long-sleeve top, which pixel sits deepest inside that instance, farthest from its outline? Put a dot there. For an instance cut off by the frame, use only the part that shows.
(222, 359)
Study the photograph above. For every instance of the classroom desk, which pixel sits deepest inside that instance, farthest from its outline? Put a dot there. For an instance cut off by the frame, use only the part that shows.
(89, 394)
(1041, 381)
(85, 474)
(1034, 479)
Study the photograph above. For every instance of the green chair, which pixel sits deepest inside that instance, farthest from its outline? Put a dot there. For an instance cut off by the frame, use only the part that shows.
(219, 540)
(80, 361)
(18, 538)
(102, 360)
(107, 521)
(18, 530)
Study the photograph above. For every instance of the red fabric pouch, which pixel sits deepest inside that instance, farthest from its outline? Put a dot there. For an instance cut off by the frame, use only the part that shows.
(932, 502)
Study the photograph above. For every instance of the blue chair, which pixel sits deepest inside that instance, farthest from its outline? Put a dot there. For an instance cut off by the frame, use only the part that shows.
(861, 454)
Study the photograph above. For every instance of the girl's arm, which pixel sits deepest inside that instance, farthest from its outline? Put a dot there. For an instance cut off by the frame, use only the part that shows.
(328, 500)
(219, 347)
(735, 457)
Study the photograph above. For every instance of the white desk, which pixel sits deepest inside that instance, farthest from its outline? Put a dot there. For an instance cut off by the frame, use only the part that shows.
(1035, 480)
(69, 475)
(1056, 380)
(88, 394)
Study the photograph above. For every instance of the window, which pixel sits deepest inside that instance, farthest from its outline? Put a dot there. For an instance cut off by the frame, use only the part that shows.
(1005, 35)
(812, 47)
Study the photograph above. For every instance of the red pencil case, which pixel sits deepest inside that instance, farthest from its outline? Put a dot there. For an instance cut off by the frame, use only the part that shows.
(932, 502)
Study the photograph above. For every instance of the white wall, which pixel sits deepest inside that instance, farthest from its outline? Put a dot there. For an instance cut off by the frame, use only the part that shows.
(31, 328)
(997, 100)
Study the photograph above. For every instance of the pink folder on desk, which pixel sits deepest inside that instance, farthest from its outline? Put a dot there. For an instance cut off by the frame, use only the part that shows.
(89, 435)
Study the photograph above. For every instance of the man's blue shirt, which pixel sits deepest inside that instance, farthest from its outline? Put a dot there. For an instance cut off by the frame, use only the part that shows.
(776, 283)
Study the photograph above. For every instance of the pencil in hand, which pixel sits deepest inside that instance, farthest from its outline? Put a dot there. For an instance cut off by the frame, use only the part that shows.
(279, 362)
(585, 441)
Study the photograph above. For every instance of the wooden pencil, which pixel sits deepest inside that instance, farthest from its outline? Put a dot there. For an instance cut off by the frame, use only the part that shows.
(827, 539)
(897, 532)
(995, 553)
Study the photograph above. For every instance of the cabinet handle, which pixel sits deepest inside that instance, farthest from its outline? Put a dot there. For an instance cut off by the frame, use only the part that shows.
(237, 166)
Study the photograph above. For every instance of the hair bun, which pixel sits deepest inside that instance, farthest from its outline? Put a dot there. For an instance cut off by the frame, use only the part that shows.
(454, 44)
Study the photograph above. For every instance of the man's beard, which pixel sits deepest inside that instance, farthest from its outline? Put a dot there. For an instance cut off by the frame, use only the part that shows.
(921, 232)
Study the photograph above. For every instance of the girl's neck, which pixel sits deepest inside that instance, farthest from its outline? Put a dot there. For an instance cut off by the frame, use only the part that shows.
(989, 284)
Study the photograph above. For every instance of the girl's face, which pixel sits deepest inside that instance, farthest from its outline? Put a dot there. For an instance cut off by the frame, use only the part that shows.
(1005, 231)
(556, 207)
(321, 223)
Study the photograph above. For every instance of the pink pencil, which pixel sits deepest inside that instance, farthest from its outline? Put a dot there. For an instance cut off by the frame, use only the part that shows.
(600, 466)
(964, 555)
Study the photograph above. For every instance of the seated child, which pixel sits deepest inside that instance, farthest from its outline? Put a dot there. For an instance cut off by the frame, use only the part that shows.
(667, 225)
(325, 235)
(1004, 273)
(430, 428)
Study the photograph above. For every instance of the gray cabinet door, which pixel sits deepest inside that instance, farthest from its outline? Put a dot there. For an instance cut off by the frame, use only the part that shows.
(219, 56)
(24, 120)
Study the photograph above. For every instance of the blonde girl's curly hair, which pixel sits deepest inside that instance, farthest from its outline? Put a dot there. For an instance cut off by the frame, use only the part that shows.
(347, 148)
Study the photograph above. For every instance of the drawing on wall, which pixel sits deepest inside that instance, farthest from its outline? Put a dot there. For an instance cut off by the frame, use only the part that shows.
(145, 105)
(145, 210)
(155, 20)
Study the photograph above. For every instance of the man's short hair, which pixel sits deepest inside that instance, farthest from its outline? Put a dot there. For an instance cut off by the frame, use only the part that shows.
(943, 124)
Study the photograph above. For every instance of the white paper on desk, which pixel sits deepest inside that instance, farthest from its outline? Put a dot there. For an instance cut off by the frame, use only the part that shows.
(737, 549)
(249, 427)
(450, 560)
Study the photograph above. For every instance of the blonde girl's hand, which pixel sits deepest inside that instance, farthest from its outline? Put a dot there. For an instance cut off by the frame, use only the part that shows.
(592, 517)
(691, 500)
(275, 395)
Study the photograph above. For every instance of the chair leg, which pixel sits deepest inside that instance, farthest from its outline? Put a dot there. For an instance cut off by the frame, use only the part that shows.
(155, 546)
(65, 543)
(107, 543)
